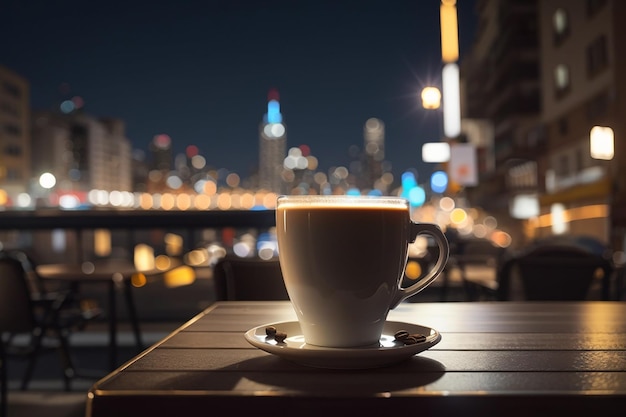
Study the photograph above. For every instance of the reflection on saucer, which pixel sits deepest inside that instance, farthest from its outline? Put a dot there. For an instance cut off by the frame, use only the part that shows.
(294, 348)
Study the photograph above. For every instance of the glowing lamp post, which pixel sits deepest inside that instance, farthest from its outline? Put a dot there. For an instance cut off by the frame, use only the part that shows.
(601, 143)
(431, 98)
(47, 180)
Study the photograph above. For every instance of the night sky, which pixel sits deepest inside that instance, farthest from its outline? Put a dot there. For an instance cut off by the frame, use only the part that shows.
(200, 71)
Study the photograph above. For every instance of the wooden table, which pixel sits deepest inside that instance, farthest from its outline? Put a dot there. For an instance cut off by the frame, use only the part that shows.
(495, 358)
(114, 274)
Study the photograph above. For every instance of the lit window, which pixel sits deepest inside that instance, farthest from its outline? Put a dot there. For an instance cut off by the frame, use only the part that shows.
(560, 24)
(561, 79)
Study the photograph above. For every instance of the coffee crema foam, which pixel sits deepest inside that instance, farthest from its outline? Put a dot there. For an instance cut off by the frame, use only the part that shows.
(356, 203)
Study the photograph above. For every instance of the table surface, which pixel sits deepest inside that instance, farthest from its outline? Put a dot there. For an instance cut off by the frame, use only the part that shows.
(495, 358)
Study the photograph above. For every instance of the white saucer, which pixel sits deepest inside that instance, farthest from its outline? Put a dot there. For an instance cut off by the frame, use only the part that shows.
(296, 350)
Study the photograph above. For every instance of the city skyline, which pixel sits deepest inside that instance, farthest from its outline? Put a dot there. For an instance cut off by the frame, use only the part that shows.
(209, 86)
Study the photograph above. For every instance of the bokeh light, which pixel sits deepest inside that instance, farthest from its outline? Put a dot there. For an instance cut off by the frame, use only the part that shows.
(47, 180)
(417, 196)
(439, 181)
(413, 270)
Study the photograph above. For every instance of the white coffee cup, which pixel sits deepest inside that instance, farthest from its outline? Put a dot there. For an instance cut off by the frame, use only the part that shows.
(343, 260)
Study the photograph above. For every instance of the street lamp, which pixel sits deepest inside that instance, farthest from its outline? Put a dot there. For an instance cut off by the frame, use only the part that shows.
(431, 98)
(436, 151)
(47, 180)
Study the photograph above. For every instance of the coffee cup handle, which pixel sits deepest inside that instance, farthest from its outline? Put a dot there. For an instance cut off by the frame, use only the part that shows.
(435, 232)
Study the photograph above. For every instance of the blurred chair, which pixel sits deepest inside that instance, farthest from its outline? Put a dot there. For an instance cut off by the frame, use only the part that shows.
(248, 279)
(553, 272)
(35, 318)
(478, 260)
(77, 309)
(39, 320)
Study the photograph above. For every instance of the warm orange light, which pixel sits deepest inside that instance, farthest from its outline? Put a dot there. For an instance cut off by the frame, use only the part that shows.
(143, 257)
(247, 201)
(183, 275)
(168, 201)
(210, 188)
(138, 279)
(596, 211)
(413, 270)
(202, 202)
(173, 244)
(183, 201)
(102, 242)
(146, 201)
(162, 262)
(224, 201)
(458, 216)
(4, 198)
(449, 32)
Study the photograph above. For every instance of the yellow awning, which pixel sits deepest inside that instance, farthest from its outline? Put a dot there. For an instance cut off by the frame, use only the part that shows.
(599, 189)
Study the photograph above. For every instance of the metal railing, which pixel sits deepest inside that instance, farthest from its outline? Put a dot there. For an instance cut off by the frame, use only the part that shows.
(24, 228)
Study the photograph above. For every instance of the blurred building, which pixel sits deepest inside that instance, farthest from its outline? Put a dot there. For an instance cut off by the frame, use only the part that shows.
(272, 146)
(501, 86)
(15, 166)
(83, 153)
(374, 153)
(161, 153)
(139, 171)
(583, 69)
(160, 162)
(544, 74)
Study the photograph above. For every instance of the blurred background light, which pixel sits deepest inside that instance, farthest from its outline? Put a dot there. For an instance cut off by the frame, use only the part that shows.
(524, 206)
(451, 101)
(417, 196)
(47, 180)
(436, 152)
(431, 98)
(67, 106)
(273, 112)
(559, 220)
(449, 31)
(601, 142)
(439, 181)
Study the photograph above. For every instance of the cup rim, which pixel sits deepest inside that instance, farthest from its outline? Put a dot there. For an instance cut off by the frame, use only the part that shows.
(342, 200)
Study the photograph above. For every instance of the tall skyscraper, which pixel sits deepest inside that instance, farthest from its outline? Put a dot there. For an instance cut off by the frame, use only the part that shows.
(272, 146)
(160, 155)
(374, 155)
(15, 136)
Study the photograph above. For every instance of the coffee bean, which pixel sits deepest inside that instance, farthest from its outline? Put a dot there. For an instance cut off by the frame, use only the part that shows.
(270, 330)
(280, 337)
(409, 340)
(401, 334)
(418, 337)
